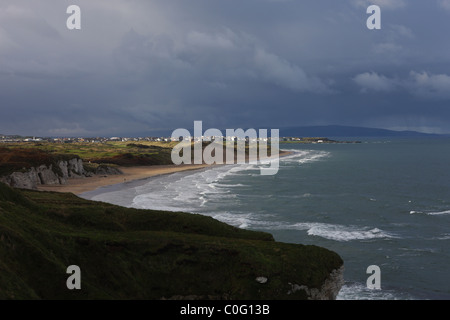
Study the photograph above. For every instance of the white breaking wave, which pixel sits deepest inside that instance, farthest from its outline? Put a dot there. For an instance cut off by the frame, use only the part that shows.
(230, 185)
(438, 213)
(324, 230)
(240, 220)
(338, 232)
(445, 236)
(357, 291)
(192, 192)
(303, 156)
(435, 213)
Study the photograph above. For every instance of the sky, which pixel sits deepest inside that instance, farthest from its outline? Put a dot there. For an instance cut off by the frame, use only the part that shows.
(140, 67)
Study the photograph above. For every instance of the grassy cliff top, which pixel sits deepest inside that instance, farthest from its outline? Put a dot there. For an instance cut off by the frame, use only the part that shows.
(17, 155)
(18, 159)
(142, 254)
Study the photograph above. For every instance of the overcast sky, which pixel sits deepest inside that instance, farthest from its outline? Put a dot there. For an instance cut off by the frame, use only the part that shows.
(140, 66)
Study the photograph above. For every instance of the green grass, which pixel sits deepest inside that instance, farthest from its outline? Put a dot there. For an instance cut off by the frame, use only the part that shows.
(20, 159)
(142, 254)
(19, 156)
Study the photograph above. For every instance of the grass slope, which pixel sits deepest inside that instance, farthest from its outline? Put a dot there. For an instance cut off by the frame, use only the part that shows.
(142, 254)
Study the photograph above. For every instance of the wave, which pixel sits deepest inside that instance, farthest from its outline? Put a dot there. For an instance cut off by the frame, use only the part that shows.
(304, 156)
(190, 191)
(340, 232)
(438, 213)
(445, 236)
(240, 220)
(432, 213)
(415, 252)
(357, 291)
(328, 231)
(230, 185)
(193, 191)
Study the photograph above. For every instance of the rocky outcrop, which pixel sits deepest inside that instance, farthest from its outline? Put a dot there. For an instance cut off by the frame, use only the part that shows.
(329, 289)
(54, 174)
(105, 170)
(22, 180)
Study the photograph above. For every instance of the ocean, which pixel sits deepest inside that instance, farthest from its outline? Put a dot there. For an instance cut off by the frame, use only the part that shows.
(383, 202)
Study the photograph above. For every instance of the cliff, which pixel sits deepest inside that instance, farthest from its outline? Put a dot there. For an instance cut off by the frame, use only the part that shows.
(126, 253)
(329, 289)
(57, 172)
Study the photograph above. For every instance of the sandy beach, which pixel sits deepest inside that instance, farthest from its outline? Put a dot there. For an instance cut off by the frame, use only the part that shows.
(81, 185)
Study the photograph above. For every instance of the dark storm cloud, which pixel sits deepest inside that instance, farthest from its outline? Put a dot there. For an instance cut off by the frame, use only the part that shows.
(140, 66)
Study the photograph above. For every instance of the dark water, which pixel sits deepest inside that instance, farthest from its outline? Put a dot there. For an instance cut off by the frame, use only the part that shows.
(382, 202)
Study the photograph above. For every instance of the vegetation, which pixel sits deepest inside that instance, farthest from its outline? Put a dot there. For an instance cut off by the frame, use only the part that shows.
(128, 253)
(20, 159)
(20, 156)
(119, 153)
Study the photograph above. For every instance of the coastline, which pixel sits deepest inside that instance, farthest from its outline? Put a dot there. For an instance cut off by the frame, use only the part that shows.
(82, 185)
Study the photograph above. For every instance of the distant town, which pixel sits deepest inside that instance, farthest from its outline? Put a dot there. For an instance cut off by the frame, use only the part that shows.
(18, 139)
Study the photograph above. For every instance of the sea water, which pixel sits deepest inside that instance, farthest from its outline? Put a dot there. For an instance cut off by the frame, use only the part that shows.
(381, 202)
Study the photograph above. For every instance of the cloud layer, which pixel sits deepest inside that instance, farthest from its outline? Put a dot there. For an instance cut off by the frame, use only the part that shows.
(139, 67)
(420, 84)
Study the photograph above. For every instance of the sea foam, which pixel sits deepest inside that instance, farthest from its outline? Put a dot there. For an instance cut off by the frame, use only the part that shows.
(358, 291)
(337, 232)
(438, 213)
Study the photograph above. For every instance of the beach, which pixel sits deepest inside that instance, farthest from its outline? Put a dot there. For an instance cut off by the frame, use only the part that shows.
(81, 185)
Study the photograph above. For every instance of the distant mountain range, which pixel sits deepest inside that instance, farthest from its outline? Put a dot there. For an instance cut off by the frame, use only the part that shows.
(347, 131)
(307, 131)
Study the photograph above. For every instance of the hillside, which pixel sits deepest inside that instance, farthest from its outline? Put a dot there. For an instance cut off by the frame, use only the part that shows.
(143, 254)
(346, 131)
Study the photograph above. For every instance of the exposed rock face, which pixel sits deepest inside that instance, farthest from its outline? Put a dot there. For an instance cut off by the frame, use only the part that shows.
(64, 170)
(329, 290)
(107, 170)
(23, 180)
(75, 168)
(48, 175)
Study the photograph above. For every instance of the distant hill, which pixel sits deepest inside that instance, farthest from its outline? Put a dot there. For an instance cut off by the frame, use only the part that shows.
(346, 131)
(339, 131)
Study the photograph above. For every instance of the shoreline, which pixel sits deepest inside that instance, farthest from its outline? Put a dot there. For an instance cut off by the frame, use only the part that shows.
(83, 185)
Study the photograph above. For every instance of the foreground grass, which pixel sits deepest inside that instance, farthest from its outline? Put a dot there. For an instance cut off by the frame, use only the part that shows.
(142, 254)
